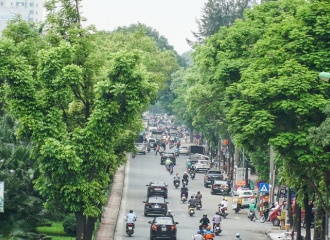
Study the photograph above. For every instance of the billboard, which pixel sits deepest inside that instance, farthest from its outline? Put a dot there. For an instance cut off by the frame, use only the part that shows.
(2, 197)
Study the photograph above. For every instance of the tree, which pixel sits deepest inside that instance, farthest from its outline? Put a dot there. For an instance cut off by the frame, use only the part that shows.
(76, 104)
(218, 13)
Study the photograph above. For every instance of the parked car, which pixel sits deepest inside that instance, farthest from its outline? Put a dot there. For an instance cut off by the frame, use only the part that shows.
(202, 165)
(155, 205)
(157, 188)
(183, 150)
(212, 175)
(166, 155)
(141, 148)
(163, 227)
(219, 186)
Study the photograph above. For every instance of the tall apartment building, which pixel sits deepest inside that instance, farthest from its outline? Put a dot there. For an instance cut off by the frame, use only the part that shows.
(29, 10)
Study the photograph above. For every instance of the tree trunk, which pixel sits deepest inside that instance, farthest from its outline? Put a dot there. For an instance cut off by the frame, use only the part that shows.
(290, 207)
(89, 228)
(297, 220)
(308, 217)
(318, 228)
(81, 224)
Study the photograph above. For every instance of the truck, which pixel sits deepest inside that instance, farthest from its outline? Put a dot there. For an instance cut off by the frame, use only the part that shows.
(196, 149)
(157, 135)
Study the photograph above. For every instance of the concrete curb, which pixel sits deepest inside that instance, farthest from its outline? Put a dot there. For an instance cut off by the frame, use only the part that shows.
(110, 214)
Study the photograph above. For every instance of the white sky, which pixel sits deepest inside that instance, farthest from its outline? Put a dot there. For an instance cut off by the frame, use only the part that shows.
(174, 19)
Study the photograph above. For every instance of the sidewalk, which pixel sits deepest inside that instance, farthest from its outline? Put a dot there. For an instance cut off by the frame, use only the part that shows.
(111, 211)
(283, 234)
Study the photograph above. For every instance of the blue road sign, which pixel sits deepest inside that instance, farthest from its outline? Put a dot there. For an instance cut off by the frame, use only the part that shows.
(264, 188)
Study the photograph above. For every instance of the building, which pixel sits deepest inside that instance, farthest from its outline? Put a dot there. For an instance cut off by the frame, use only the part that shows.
(29, 10)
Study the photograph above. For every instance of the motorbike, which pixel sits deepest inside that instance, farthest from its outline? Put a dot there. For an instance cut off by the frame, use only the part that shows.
(185, 182)
(133, 155)
(183, 198)
(217, 229)
(265, 216)
(199, 205)
(251, 215)
(148, 148)
(223, 211)
(192, 174)
(129, 229)
(171, 171)
(191, 211)
(176, 183)
(176, 154)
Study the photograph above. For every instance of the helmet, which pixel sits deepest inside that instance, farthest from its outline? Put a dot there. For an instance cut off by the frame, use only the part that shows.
(185, 173)
(199, 232)
(131, 211)
(177, 173)
(226, 199)
(204, 214)
(198, 192)
(208, 227)
(169, 211)
(217, 213)
(237, 234)
(192, 196)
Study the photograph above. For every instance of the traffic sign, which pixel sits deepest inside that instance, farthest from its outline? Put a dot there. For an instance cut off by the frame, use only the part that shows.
(260, 183)
(264, 188)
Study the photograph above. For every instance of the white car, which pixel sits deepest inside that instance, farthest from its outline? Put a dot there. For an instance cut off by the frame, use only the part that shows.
(202, 165)
(183, 150)
(141, 148)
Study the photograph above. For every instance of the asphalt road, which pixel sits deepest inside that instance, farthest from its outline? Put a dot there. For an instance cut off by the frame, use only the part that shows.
(143, 169)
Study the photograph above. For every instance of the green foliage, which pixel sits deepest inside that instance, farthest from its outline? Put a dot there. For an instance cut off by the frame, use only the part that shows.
(70, 225)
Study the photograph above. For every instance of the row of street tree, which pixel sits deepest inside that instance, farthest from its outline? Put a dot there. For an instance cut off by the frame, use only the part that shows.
(256, 83)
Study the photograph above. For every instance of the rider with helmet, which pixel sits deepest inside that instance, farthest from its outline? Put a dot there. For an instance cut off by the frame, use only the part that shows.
(208, 235)
(198, 197)
(184, 190)
(192, 202)
(198, 236)
(169, 214)
(238, 237)
(185, 176)
(176, 178)
(216, 219)
(130, 218)
(204, 221)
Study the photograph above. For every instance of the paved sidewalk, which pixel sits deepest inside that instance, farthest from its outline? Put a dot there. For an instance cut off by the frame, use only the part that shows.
(110, 214)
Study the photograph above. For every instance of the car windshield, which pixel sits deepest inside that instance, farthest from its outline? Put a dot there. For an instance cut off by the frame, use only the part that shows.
(202, 162)
(156, 200)
(220, 182)
(157, 184)
(165, 221)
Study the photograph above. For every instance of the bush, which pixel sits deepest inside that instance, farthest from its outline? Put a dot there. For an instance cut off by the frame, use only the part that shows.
(70, 225)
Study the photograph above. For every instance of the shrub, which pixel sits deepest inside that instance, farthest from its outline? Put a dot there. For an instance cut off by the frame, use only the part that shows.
(70, 225)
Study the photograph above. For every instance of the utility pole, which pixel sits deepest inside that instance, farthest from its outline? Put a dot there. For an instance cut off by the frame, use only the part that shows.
(271, 174)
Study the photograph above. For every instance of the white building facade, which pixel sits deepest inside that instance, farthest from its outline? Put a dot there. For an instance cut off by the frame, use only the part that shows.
(29, 10)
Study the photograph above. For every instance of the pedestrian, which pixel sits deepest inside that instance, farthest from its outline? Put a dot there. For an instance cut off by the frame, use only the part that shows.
(157, 149)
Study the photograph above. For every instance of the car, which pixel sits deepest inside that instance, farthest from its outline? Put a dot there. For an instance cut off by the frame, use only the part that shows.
(212, 175)
(155, 205)
(163, 227)
(183, 150)
(157, 188)
(141, 148)
(152, 142)
(202, 165)
(166, 155)
(247, 197)
(219, 186)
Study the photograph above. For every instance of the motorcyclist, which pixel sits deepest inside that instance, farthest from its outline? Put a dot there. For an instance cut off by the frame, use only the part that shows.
(176, 178)
(167, 163)
(216, 219)
(192, 202)
(208, 235)
(169, 214)
(192, 169)
(238, 237)
(176, 151)
(198, 236)
(184, 190)
(130, 218)
(171, 166)
(252, 207)
(223, 205)
(185, 176)
(204, 221)
(198, 197)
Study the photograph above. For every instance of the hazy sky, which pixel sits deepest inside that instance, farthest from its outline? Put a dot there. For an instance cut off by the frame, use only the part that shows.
(174, 19)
